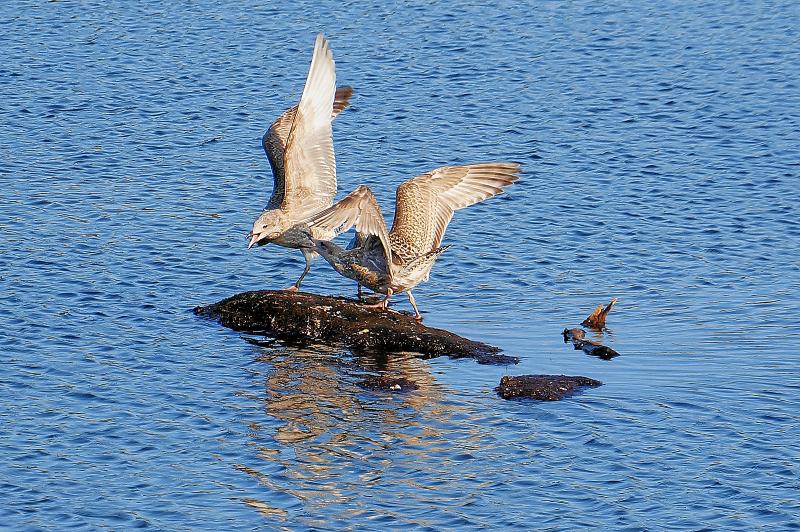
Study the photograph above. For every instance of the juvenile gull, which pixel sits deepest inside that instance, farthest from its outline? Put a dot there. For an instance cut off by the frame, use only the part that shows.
(299, 146)
(397, 261)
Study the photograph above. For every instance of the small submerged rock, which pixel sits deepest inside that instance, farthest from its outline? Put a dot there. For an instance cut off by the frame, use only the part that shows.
(595, 349)
(489, 359)
(392, 384)
(543, 387)
(573, 335)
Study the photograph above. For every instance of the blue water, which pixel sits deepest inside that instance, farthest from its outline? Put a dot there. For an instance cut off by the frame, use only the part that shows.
(660, 146)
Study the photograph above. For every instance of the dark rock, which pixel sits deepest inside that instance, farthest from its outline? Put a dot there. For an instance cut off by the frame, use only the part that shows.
(496, 360)
(596, 349)
(573, 334)
(392, 384)
(543, 387)
(300, 317)
(590, 347)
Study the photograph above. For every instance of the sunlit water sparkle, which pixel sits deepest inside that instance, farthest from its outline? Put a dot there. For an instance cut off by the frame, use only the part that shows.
(659, 143)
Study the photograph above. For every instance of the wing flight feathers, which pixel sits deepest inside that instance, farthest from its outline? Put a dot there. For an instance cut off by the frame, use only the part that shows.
(359, 209)
(309, 161)
(426, 203)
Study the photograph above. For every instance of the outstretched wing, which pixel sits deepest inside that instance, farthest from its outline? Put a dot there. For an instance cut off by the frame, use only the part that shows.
(359, 208)
(309, 162)
(425, 204)
(274, 141)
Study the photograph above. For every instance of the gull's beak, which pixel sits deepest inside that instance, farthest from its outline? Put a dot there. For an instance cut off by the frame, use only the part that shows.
(254, 237)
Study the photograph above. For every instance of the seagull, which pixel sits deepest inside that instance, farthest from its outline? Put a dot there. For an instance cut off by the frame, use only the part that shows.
(299, 146)
(391, 262)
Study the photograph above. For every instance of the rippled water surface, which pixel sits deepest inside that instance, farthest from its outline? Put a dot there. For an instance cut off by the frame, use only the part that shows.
(660, 147)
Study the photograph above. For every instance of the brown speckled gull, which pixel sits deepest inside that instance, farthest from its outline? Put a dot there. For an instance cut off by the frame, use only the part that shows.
(397, 261)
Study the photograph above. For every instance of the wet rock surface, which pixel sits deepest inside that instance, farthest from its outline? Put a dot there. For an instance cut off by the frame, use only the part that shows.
(543, 387)
(387, 383)
(590, 347)
(300, 317)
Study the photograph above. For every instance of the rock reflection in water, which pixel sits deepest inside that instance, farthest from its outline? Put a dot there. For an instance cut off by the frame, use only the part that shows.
(322, 432)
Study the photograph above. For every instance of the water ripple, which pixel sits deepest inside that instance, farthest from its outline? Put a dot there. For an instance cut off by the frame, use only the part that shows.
(659, 147)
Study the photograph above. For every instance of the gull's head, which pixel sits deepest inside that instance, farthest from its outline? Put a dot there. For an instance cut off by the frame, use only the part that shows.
(304, 237)
(267, 227)
(325, 247)
(328, 250)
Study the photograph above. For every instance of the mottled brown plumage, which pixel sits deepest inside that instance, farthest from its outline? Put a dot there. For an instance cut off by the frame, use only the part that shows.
(397, 261)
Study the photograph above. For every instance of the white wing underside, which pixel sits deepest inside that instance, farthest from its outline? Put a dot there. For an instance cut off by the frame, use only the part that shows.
(309, 162)
(277, 136)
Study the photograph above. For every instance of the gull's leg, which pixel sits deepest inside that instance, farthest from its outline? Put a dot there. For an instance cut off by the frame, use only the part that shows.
(411, 300)
(384, 303)
(309, 257)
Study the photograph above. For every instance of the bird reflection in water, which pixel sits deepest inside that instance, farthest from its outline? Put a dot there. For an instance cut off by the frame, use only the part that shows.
(326, 439)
